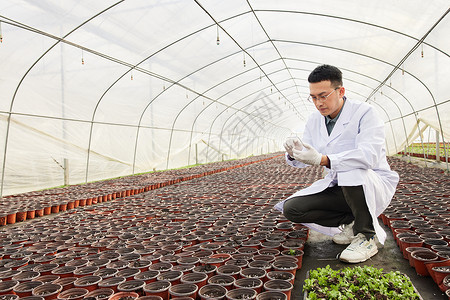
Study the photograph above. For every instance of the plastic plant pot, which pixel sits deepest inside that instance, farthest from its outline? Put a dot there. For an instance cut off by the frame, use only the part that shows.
(7, 287)
(66, 282)
(25, 288)
(85, 271)
(409, 241)
(440, 273)
(231, 270)
(183, 290)
(241, 294)
(147, 276)
(47, 290)
(106, 272)
(279, 286)
(212, 291)
(158, 288)
(173, 277)
(89, 282)
(100, 294)
(73, 293)
(188, 260)
(128, 273)
(160, 266)
(150, 298)
(410, 250)
(420, 257)
(262, 264)
(111, 282)
(26, 276)
(124, 296)
(287, 266)
(281, 275)
(253, 273)
(47, 278)
(226, 281)
(237, 262)
(297, 253)
(64, 271)
(251, 283)
(134, 285)
(200, 279)
(271, 295)
(208, 269)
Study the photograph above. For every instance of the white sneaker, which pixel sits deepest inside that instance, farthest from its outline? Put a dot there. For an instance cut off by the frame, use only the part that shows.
(359, 250)
(346, 236)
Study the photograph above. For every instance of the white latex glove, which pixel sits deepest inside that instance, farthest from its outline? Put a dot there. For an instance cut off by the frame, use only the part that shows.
(291, 144)
(308, 156)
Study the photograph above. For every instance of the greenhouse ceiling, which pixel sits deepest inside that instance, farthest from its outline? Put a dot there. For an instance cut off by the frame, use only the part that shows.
(99, 89)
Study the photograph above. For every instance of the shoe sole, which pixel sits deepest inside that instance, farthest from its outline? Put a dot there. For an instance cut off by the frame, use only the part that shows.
(342, 242)
(351, 261)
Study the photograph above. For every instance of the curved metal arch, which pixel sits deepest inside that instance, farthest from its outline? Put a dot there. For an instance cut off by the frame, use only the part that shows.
(28, 71)
(354, 21)
(217, 23)
(227, 106)
(214, 101)
(334, 48)
(242, 120)
(237, 101)
(413, 76)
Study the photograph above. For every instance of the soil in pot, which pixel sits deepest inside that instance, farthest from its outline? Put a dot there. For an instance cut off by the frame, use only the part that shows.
(73, 293)
(183, 290)
(271, 295)
(212, 291)
(280, 286)
(47, 290)
(158, 288)
(99, 294)
(241, 294)
(226, 281)
(124, 296)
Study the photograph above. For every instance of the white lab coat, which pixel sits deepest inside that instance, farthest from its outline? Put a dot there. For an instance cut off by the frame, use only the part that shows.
(357, 156)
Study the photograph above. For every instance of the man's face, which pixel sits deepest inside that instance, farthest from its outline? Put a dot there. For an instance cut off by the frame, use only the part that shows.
(333, 102)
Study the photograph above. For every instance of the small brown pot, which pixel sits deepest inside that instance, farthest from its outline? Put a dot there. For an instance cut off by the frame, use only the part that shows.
(100, 294)
(73, 294)
(241, 293)
(270, 295)
(158, 288)
(125, 295)
(279, 286)
(212, 291)
(226, 281)
(183, 290)
(47, 290)
(24, 289)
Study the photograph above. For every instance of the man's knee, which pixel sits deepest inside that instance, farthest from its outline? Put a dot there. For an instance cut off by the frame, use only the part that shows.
(291, 212)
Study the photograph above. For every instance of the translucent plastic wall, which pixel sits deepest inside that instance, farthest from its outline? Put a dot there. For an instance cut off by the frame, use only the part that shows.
(99, 89)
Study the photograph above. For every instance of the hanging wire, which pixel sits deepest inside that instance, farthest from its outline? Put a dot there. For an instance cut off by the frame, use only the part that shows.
(131, 74)
(82, 57)
(218, 39)
(244, 59)
(1, 35)
(421, 53)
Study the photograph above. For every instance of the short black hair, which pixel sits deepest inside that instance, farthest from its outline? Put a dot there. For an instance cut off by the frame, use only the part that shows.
(326, 72)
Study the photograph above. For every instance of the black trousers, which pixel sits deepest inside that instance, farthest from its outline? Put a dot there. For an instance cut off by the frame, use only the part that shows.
(332, 207)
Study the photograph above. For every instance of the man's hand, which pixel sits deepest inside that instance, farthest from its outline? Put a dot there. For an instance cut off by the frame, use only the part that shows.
(308, 156)
(291, 144)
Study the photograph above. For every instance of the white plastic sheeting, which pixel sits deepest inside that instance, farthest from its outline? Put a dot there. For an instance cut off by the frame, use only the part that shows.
(99, 89)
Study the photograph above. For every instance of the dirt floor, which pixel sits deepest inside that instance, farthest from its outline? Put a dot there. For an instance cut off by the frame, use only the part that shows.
(320, 251)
